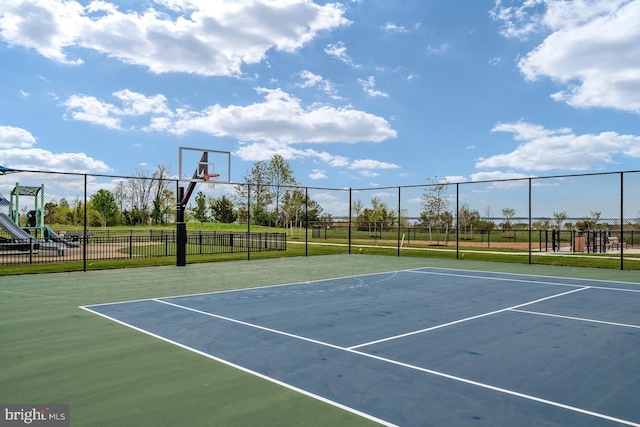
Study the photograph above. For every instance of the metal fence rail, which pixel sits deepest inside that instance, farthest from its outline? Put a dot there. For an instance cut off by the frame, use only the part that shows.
(123, 245)
(579, 220)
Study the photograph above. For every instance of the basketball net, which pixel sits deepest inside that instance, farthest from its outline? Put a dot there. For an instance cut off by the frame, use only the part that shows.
(210, 179)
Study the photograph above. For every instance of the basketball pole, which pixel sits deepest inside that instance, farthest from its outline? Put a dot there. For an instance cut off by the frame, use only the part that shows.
(183, 199)
(181, 231)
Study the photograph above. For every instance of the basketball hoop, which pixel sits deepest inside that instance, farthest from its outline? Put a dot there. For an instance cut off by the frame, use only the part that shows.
(210, 179)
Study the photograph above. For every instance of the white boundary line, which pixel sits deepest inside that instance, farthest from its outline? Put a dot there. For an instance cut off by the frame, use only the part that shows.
(464, 320)
(539, 313)
(501, 390)
(537, 282)
(253, 288)
(252, 325)
(409, 270)
(525, 274)
(258, 374)
(391, 361)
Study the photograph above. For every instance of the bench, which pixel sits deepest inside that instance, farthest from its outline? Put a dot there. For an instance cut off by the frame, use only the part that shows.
(76, 236)
(614, 243)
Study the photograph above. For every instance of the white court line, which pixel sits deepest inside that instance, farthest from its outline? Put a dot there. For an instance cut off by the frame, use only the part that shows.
(501, 390)
(538, 282)
(391, 361)
(500, 279)
(626, 325)
(500, 273)
(455, 322)
(253, 325)
(391, 274)
(257, 374)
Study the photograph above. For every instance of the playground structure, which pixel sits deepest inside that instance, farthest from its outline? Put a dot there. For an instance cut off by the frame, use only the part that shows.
(33, 234)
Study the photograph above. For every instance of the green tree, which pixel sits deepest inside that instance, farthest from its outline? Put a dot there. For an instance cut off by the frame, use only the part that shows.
(222, 210)
(279, 175)
(434, 207)
(293, 207)
(508, 214)
(140, 188)
(265, 187)
(199, 211)
(257, 191)
(104, 205)
(55, 214)
(120, 195)
(559, 217)
(377, 218)
(162, 197)
(467, 218)
(75, 214)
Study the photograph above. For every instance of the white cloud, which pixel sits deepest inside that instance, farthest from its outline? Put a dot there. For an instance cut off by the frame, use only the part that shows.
(310, 79)
(25, 94)
(39, 159)
(317, 174)
(544, 149)
(592, 48)
(12, 137)
(199, 36)
(314, 80)
(339, 51)
(452, 179)
(325, 196)
(518, 21)
(372, 164)
(92, 110)
(393, 28)
(497, 175)
(136, 104)
(438, 49)
(369, 87)
(369, 174)
(265, 150)
(279, 118)
(17, 152)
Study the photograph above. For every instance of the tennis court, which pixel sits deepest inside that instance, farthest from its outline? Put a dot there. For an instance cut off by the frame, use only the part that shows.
(425, 345)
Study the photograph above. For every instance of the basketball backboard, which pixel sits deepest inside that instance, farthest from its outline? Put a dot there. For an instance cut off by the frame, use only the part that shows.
(197, 164)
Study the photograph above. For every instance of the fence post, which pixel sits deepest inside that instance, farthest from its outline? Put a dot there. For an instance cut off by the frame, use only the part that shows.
(399, 220)
(306, 221)
(350, 222)
(84, 238)
(621, 220)
(457, 220)
(181, 229)
(530, 207)
(248, 221)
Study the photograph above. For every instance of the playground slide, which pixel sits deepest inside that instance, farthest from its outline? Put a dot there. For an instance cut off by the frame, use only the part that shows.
(54, 237)
(19, 234)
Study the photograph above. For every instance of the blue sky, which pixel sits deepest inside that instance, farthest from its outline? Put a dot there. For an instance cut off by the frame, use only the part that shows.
(358, 93)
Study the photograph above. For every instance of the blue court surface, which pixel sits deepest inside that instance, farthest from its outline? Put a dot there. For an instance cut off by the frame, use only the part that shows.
(425, 347)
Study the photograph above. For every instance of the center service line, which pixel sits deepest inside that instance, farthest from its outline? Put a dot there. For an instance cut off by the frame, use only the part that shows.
(465, 320)
(402, 364)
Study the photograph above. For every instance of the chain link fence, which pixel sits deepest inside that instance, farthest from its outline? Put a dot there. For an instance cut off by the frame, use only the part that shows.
(65, 222)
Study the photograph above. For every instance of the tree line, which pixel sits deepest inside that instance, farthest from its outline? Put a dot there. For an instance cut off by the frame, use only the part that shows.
(270, 196)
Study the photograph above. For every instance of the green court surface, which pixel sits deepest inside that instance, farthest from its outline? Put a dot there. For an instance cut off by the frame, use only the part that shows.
(54, 352)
